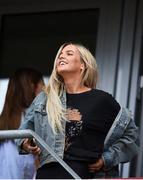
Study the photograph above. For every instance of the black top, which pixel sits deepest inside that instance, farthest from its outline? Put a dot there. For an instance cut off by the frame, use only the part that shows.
(90, 115)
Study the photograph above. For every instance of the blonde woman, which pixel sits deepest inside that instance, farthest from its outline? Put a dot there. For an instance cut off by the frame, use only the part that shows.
(85, 126)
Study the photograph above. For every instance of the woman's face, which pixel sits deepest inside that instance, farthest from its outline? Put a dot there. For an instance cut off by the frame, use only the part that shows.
(69, 61)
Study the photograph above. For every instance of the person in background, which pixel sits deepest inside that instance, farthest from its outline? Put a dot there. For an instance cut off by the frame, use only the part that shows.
(24, 85)
(85, 126)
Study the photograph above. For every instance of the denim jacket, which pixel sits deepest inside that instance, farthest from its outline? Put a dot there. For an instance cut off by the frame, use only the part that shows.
(36, 119)
(119, 144)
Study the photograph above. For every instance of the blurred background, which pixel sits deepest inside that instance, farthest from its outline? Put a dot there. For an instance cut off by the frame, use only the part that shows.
(31, 32)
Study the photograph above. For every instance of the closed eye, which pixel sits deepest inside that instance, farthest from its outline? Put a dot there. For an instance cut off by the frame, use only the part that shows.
(70, 52)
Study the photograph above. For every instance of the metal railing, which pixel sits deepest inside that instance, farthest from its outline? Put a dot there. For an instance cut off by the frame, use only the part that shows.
(19, 134)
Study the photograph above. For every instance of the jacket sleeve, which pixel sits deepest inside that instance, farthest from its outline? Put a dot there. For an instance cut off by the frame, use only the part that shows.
(27, 123)
(123, 149)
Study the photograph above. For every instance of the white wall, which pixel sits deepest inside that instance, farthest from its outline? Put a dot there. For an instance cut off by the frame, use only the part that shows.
(3, 89)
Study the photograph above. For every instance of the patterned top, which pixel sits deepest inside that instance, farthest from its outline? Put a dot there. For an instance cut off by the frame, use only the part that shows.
(90, 116)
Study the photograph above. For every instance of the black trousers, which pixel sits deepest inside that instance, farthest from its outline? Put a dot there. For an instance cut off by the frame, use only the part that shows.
(54, 170)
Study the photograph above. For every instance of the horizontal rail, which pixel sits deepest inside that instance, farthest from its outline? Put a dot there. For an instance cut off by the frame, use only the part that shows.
(19, 134)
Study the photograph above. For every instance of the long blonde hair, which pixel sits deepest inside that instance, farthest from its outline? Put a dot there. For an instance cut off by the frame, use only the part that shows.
(55, 87)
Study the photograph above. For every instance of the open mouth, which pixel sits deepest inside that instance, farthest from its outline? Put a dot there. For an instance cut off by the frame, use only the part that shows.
(62, 63)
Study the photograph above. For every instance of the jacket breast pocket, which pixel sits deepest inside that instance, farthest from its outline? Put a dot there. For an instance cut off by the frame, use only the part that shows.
(41, 116)
(116, 134)
(119, 130)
